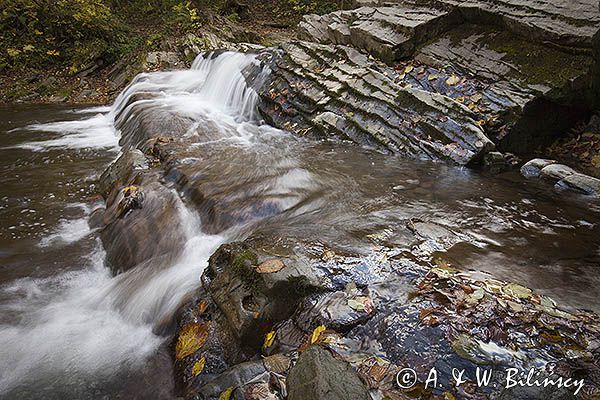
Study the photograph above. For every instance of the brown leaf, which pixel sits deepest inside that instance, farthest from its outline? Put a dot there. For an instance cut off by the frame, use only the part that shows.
(191, 339)
(424, 313)
(278, 363)
(202, 307)
(270, 266)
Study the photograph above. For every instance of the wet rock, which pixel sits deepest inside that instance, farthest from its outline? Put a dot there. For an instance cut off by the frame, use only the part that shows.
(234, 377)
(497, 162)
(319, 376)
(497, 58)
(566, 178)
(580, 183)
(135, 233)
(556, 171)
(163, 59)
(251, 301)
(335, 91)
(533, 167)
(340, 311)
(121, 170)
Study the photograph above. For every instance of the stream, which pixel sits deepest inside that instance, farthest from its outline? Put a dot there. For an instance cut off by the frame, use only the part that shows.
(70, 329)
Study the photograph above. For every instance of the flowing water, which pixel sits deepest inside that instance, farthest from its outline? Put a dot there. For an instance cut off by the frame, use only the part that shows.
(70, 329)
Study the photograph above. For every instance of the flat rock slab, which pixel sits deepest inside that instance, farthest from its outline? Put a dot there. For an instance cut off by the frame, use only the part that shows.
(394, 28)
(385, 32)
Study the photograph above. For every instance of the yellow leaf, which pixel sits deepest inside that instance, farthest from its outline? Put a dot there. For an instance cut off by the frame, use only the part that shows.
(226, 394)
(317, 333)
(13, 52)
(269, 339)
(408, 69)
(198, 367)
(270, 266)
(433, 77)
(28, 47)
(130, 189)
(53, 53)
(192, 338)
(476, 97)
(452, 80)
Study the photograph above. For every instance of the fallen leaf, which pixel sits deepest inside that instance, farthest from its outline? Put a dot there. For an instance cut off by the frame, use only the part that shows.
(202, 307)
(269, 339)
(198, 367)
(192, 338)
(516, 290)
(317, 333)
(433, 77)
(449, 396)
(452, 80)
(425, 313)
(278, 363)
(476, 97)
(408, 69)
(361, 303)
(270, 266)
(226, 394)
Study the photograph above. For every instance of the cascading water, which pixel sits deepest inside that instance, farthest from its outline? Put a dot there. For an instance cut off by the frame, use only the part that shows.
(87, 325)
(69, 329)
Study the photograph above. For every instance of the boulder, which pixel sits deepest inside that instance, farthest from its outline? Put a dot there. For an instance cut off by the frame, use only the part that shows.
(532, 168)
(254, 290)
(556, 172)
(580, 183)
(319, 376)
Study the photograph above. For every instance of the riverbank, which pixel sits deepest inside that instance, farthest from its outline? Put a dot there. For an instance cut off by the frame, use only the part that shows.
(142, 39)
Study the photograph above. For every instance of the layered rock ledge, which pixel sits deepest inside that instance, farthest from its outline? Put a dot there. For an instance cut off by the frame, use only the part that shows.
(461, 76)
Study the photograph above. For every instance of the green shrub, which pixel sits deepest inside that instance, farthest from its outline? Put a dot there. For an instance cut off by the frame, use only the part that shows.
(39, 31)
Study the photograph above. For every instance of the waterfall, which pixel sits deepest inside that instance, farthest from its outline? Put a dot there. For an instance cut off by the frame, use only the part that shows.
(88, 322)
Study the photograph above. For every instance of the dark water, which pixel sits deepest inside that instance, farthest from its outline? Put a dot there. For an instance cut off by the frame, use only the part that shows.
(68, 329)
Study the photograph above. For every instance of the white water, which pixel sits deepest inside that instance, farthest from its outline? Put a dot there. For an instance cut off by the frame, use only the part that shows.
(69, 230)
(89, 323)
(92, 133)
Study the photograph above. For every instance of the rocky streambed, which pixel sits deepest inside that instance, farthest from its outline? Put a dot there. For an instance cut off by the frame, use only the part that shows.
(326, 220)
(351, 272)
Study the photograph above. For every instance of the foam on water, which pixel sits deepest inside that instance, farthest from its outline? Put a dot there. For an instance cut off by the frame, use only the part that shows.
(93, 324)
(69, 230)
(86, 325)
(96, 132)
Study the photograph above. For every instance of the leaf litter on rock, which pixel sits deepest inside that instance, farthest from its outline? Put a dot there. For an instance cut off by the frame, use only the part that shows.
(191, 339)
(270, 266)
